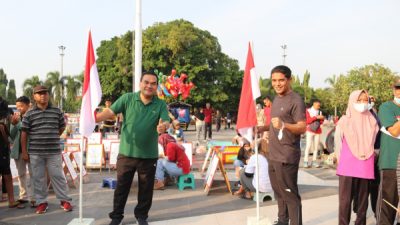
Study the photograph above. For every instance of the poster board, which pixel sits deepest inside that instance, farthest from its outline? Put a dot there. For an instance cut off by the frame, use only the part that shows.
(215, 163)
(114, 150)
(112, 136)
(76, 156)
(211, 173)
(189, 151)
(94, 138)
(208, 155)
(95, 156)
(68, 167)
(107, 144)
(72, 148)
(76, 136)
(73, 141)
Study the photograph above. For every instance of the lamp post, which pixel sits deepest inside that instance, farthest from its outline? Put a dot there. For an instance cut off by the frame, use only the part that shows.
(284, 47)
(62, 48)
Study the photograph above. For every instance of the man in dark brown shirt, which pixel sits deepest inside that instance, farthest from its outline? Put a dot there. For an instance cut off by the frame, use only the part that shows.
(288, 122)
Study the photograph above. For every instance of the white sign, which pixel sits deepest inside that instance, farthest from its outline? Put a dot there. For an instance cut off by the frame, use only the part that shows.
(95, 138)
(77, 159)
(68, 164)
(114, 153)
(188, 151)
(94, 155)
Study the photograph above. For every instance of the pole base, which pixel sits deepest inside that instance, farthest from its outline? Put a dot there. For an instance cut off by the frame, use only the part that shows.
(85, 221)
(252, 220)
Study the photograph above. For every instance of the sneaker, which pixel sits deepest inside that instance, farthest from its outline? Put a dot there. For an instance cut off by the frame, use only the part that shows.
(305, 165)
(41, 208)
(66, 206)
(142, 221)
(158, 185)
(115, 221)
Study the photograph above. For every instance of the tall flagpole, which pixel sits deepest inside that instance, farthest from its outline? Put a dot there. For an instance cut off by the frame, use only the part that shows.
(81, 179)
(138, 46)
(257, 166)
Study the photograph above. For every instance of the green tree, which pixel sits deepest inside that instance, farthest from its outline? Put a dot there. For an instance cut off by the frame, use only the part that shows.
(55, 84)
(73, 87)
(11, 92)
(3, 84)
(29, 84)
(177, 44)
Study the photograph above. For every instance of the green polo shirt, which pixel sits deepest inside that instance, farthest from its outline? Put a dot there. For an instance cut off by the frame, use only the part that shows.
(390, 146)
(139, 135)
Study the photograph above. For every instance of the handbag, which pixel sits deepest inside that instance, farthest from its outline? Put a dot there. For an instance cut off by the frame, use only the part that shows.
(314, 125)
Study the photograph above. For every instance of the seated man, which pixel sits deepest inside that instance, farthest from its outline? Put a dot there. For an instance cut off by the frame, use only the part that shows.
(175, 162)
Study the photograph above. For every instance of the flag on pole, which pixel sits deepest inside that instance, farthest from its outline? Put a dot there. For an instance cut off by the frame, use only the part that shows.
(91, 92)
(247, 118)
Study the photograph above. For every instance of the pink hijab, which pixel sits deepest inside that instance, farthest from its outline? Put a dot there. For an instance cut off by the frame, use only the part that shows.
(359, 129)
(164, 139)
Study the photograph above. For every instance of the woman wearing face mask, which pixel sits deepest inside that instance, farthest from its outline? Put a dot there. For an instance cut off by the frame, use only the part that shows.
(354, 145)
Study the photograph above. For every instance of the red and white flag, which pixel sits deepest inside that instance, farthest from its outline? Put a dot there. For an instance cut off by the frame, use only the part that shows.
(247, 118)
(91, 93)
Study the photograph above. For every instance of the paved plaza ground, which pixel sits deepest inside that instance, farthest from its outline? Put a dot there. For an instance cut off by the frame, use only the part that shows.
(318, 188)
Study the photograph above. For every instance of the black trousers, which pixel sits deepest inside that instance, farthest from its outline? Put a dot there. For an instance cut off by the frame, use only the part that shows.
(126, 168)
(208, 129)
(385, 215)
(348, 188)
(283, 179)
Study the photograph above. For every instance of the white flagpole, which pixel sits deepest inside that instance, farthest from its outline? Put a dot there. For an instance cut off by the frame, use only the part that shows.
(256, 151)
(257, 177)
(81, 179)
(138, 45)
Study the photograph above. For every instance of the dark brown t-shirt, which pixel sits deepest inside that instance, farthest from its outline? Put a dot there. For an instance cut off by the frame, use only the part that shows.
(290, 109)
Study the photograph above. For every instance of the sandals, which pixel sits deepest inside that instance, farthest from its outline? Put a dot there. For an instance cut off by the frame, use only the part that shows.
(246, 195)
(239, 192)
(17, 205)
(33, 204)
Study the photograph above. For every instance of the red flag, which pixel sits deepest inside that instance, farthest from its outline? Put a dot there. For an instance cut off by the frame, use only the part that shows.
(91, 92)
(247, 118)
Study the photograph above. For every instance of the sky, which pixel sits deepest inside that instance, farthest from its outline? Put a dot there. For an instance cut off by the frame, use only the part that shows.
(323, 37)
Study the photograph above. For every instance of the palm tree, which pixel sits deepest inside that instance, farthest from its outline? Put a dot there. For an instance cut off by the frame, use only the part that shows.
(73, 86)
(55, 83)
(331, 80)
(29, 84)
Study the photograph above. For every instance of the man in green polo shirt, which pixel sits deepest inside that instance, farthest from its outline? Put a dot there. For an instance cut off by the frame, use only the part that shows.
(389, 115)
(145, 115)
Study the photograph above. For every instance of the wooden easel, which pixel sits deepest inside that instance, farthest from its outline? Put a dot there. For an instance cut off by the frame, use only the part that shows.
(215, 163)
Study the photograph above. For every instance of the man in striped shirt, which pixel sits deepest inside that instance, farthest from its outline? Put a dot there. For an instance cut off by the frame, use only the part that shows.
(44, 124)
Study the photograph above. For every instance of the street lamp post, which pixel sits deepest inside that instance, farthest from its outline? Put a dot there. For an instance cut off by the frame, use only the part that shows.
(62, 48)
(284, 47)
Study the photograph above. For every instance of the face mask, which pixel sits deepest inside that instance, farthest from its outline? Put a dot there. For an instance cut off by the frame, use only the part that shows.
(370, 105)
(361, 107)
(397, 100)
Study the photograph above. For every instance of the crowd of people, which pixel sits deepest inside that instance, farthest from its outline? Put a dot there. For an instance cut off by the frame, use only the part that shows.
(366, 148)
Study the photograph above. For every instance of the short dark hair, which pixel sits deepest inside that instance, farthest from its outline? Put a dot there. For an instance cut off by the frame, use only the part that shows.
(282, 69)
(24, 100)
(315, 100)
(268, 97)
(148, 73)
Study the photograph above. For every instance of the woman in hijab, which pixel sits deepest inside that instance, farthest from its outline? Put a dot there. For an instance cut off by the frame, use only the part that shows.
(354, 145)
(174, 164)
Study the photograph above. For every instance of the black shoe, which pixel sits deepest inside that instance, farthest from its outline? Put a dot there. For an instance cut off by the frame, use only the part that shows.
(280, 223)
(115, 221)
(142, 221)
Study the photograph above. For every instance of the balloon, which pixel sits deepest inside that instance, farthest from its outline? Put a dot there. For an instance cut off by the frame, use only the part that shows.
(173, 93)
(173, 72)
(183, 77)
